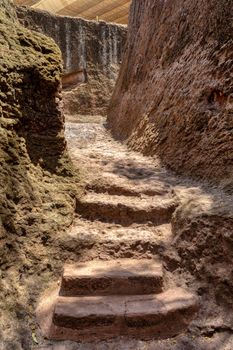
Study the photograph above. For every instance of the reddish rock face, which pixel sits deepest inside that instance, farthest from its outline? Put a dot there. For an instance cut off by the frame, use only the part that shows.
(174, 96)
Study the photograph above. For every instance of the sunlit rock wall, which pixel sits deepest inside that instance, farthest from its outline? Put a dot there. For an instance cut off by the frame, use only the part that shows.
(94, 49)
(174, 96)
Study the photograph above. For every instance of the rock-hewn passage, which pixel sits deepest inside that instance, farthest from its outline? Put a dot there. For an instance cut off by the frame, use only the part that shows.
(116, 284)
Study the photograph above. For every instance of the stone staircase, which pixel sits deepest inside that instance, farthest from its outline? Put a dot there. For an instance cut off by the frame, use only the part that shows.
(121, 239)
(125, 297)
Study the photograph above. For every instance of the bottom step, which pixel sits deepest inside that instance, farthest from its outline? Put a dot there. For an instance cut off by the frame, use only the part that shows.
(145, 317)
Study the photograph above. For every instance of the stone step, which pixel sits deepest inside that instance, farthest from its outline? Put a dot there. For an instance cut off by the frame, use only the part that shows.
(115, 185)
(144, 317)
(121, 277)
(91, 240)
(126, 210)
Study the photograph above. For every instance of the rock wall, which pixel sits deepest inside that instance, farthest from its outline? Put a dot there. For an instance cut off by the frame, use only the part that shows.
(174, 96)
(37, 178)
(87, 46)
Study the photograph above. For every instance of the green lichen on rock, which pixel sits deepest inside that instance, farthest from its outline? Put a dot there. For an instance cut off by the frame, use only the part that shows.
(38, 183)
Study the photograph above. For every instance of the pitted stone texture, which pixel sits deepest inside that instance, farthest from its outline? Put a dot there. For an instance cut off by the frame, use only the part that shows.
(125, 276)
(173, 97)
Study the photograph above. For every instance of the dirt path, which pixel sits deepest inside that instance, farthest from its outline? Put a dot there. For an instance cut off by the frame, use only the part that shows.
(126, 213)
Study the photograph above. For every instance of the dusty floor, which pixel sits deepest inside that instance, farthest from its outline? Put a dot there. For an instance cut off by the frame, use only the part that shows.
(116, 176)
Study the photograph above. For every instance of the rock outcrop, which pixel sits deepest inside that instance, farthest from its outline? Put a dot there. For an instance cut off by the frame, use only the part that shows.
(174, 96)
(92, 54)
(204, 241)
(36, 193)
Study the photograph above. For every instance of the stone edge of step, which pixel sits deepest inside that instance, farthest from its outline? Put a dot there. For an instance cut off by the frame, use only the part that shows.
(128, 312)
(121, 276)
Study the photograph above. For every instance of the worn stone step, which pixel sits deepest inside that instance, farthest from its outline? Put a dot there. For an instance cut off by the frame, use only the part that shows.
(91, 240)
(123, 276)
(126, 210)
(96, 318)
(115, 185)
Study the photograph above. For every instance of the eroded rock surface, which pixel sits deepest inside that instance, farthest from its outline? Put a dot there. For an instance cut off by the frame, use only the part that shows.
(36, 193)
(174, 95)
(92, 54)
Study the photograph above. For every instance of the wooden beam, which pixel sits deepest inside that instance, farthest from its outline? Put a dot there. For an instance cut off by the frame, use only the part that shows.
(114, 15)
(79, 6)
(122, 20)
(108, 10)
(52, 5)
(104, 7)
(91, 11)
